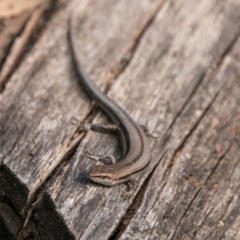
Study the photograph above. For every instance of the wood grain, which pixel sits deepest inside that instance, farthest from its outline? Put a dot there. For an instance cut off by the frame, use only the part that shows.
(173, 66)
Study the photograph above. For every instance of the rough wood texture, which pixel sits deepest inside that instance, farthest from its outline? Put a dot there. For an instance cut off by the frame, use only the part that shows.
(16, 34)
(173, 65)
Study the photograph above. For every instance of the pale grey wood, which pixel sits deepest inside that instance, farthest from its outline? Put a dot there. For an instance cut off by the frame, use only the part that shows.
(170, 86)
(40, 105)
(181, 82)
(36, 120)
(197, 196)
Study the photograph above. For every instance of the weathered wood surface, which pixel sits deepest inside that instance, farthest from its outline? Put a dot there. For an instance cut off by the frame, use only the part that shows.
(16, 33)
(174, 66)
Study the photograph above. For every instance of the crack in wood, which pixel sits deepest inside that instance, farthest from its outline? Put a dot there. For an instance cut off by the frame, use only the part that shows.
(125, 61)
(133, 208)
(175, 156)
(70, 151)
(188, 100)
(71, 144)
(183, 144)
(76, 138)
(185, 212)
(223, 56)
(187, 138)
(220, 160)
(230, 201)
(227, 207)
(208, 178)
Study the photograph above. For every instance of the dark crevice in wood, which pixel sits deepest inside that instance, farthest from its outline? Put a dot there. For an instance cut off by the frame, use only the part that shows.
(139, 198)
(89, 117)
(199, 227)
(18, 196)
(20, 133)
(41, 209)
(228, 49)
(137, 202)
(38, 194)
(10, 221)
(125, 61)
(187, 138)
(226, 208)
(182, 145)
(185, 212)
(202, 77)
(116, 72)
(7, 201)
(164, 181)
(210, 211)
(225, 212)
(219, 161)
(36, 197)
(234, 168)
(35, 35)
(223, 56)
(209, 177)
(230, 217)
(188, 100)
(175, 159)
(125, 221)
(66, 158)
(89, 223)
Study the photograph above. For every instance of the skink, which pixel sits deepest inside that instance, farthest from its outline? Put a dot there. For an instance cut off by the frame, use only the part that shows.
(134, 142)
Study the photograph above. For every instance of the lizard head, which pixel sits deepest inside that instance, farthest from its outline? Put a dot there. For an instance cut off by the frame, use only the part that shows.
(102, 175)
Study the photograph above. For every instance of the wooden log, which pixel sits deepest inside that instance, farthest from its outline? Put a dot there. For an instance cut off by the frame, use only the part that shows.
(173, 66)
